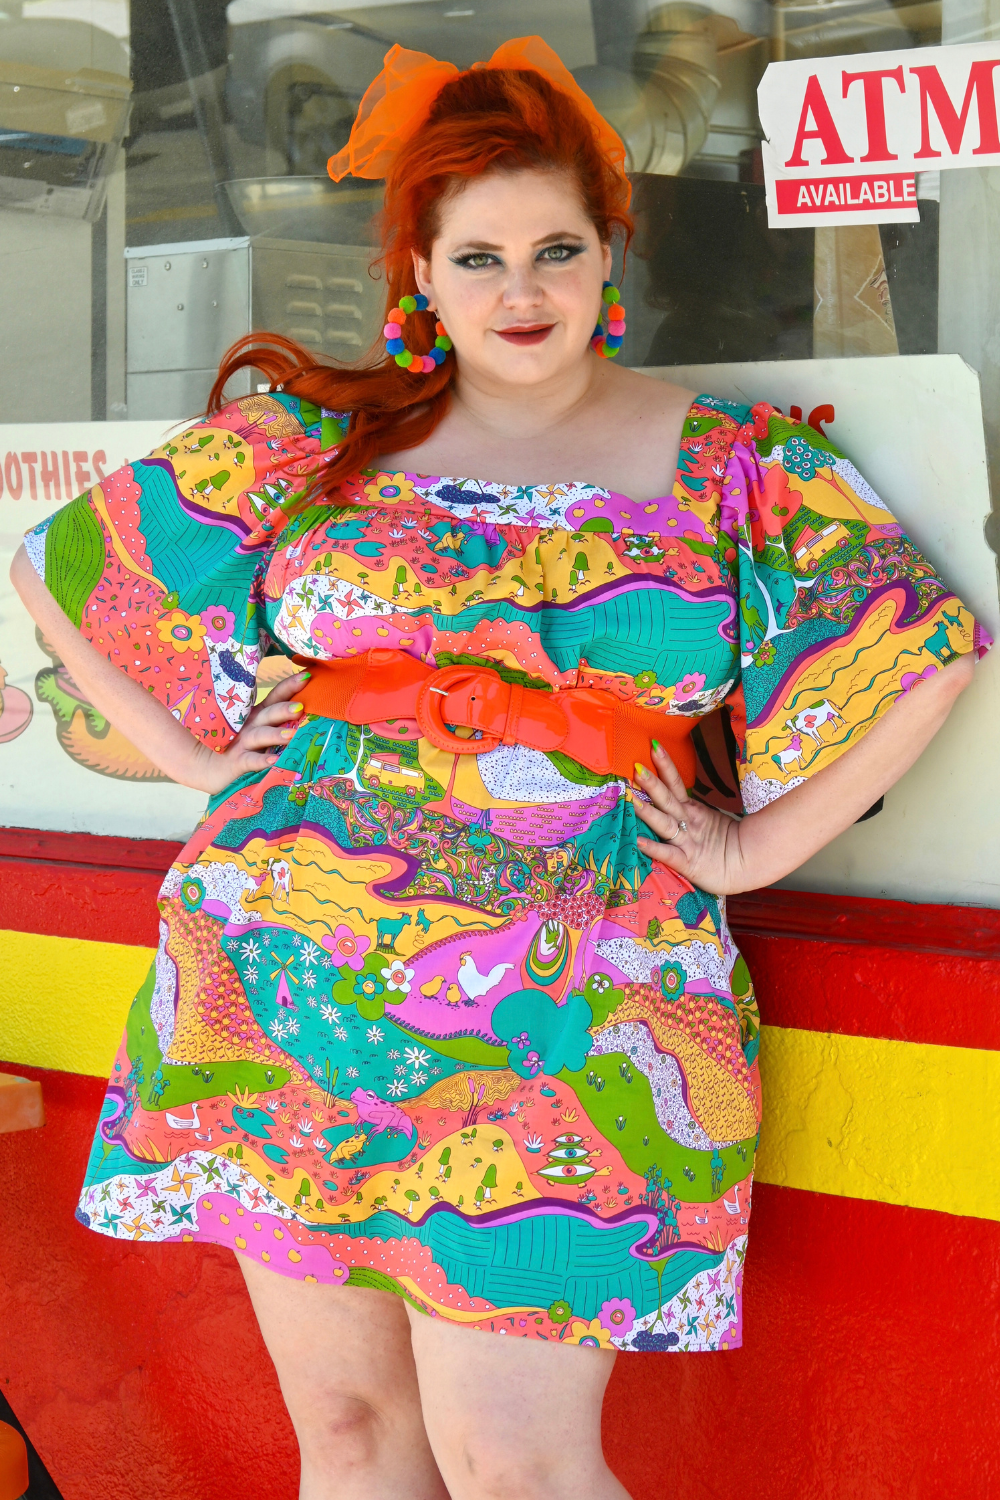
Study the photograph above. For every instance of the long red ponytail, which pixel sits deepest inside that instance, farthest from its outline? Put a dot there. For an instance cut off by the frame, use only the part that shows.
(486, 119)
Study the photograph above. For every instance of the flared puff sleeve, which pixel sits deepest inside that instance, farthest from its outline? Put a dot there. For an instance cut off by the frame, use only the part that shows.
(837, 613)
(160, 565)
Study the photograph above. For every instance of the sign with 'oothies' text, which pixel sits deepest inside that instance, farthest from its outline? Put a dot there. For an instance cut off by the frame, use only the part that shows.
(844, 137)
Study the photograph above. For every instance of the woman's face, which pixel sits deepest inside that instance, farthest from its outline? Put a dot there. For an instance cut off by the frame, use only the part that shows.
(515, 275)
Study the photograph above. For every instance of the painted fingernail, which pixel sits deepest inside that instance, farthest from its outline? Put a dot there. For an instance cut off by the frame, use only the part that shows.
(640, 769)
(286, 734)
(295, 708)
(306, 673)
(657, 746)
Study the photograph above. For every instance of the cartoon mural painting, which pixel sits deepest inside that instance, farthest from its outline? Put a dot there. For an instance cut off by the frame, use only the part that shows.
(83, 731)
(15, 710)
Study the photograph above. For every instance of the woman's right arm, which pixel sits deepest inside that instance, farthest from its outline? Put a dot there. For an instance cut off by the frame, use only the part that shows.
(143, 720)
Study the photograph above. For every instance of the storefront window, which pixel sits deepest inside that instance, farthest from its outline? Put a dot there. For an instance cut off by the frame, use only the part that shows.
(162, 187)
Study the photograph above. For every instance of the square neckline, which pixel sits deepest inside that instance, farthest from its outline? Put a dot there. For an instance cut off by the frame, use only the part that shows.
(570, 484)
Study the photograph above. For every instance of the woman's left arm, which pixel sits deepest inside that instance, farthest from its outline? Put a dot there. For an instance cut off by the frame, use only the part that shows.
(724, 855)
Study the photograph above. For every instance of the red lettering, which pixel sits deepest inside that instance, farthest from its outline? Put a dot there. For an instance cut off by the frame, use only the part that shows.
(14, 486)
(81, 474)
(878, 146)
(933, 92)
(67, 481)
(31, 459)
(99, 459)
(818, 416)
(50, 476)
(814, 104)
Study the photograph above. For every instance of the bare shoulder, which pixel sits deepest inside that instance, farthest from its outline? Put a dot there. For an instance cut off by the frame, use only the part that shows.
(646, 405)
(647, 417)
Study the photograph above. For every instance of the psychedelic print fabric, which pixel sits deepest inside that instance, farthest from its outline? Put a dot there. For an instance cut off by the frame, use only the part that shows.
(433, 1023)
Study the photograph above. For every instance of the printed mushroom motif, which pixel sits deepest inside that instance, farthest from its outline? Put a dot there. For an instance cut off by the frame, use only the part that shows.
(413, 1197)
(489, 1180)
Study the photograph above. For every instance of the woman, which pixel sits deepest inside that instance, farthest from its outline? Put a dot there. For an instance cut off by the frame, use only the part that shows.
(446, 1018)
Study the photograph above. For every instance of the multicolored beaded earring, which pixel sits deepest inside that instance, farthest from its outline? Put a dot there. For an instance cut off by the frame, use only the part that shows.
(417, 364)
(608, 344)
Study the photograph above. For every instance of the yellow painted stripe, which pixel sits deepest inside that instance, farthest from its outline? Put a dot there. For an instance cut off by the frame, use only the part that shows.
(63, 1001)
(893, 1122)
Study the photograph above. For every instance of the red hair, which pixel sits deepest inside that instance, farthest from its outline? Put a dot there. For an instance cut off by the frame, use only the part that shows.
(485, 120)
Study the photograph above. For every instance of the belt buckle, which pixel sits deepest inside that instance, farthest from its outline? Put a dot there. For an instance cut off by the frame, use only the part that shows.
(430, 711)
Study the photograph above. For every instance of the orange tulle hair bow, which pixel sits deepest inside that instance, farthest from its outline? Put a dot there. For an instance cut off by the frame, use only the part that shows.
(399, 100)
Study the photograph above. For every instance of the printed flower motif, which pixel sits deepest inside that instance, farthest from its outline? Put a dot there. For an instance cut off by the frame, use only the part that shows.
(644, 679)
(192, 892)
(340, 1033)
(347, 947)
(520, 1041)
(396, 1089)
(592, 1335)
(368, 985)
(219, 623)
(352, 1072)
(329, 1013)
(617, 1315)
(397, 976)
(480, 839)
(560, 1311)
(764, 655)
(416, 1057)
(181, 631)
(689, 686)
(374, 1034)
(802, 458)
(250, 950)
(389, 489)
(672, 980)
(600, 983)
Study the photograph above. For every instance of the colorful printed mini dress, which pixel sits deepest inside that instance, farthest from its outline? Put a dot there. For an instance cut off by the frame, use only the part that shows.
(433, 1023)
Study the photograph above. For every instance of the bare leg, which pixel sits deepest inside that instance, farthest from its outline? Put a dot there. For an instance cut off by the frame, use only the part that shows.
(510, 1418)
(346, 1371)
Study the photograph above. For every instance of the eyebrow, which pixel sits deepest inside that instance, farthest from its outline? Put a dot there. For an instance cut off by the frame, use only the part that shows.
(549, 239)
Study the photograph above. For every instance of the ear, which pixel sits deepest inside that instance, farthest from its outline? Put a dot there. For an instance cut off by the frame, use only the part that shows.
(607, 262)
(422, 273)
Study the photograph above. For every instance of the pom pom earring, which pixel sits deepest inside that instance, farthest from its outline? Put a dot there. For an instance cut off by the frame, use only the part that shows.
(417, 364)
(607, 344)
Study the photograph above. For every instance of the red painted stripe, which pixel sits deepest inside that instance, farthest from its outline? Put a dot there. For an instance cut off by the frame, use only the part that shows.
(88, 849)
(79, 901)
(860, 990)
(969, 931)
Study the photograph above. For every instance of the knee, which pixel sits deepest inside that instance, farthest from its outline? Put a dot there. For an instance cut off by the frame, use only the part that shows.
(493, 1470)
(336, 1427)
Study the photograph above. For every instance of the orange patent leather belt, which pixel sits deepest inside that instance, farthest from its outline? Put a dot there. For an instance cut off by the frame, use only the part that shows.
(590, 725)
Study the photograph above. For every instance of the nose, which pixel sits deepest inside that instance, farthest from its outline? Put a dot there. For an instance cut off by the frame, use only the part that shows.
(522, 288)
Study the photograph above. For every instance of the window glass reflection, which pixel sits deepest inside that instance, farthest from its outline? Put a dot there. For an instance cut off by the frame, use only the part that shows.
(163, 188)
